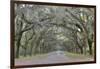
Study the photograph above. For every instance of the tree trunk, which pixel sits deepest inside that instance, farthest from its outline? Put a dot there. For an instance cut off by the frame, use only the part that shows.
(25, 52)
(90, 46)
(18, 45)
(81, 49)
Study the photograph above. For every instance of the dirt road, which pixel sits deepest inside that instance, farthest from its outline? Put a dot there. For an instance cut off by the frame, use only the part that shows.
(49, 59)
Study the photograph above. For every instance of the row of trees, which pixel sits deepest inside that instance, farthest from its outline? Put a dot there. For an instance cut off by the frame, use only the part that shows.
(41, 29)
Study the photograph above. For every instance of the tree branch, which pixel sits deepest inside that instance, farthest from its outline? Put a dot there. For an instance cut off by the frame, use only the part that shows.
(29, 28)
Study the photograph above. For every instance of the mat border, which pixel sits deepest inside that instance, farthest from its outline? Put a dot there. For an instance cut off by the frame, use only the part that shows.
(12, 66)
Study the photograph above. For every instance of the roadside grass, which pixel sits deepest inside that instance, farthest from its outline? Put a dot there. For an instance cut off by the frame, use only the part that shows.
(80, 56)
(33, 57)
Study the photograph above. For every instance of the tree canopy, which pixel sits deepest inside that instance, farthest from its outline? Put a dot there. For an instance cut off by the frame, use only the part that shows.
(41, 29)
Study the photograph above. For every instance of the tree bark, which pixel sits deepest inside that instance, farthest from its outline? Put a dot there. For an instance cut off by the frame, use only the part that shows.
(18, 45)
